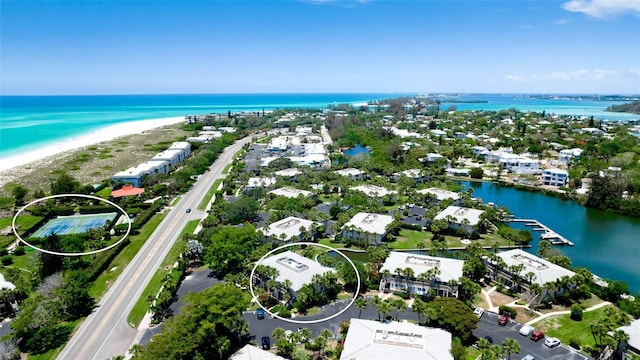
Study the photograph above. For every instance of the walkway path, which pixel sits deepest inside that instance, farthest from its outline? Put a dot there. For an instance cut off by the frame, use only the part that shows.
(564, 312)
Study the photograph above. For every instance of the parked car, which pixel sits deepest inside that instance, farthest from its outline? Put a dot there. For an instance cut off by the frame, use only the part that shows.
(260, 314)
(188, 210)
(478, 312)
(489, 339)
(528, 357)
(537, 335)
(526, 330)
(266, 343)
(551, 342)
(504, 319)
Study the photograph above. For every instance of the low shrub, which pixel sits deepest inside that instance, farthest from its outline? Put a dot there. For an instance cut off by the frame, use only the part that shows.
(19, 250)
(507, 310)
(574, 342)
(6, 260)
(401, 294)
(576, 312)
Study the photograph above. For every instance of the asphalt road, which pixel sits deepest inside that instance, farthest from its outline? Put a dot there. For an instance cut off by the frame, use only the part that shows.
(488, 326)
(105, 333)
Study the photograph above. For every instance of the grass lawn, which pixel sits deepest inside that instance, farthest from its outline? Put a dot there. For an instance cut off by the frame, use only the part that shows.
(99, 287)
(564, 328)
(328, 242)
(209, 195)
(152, 289)
(472, 353)
(104, 193)
(409, 239)
(23, 222)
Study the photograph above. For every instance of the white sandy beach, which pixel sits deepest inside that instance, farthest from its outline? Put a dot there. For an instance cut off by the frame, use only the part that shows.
(104, 134)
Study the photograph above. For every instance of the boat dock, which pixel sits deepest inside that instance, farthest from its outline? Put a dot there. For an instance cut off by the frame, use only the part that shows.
(553, 237)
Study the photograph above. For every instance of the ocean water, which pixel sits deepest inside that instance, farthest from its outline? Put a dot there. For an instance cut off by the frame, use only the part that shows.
(29, 122)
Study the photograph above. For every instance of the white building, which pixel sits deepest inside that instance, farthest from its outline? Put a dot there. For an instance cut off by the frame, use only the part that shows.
(250, 352)
(460, 218)
(374, 190)
(289, 173)
(431, 157)
(567, 156)
(368, 339)
(461, 172)
(296, 268)
(416, 175)
(173, 157)
(280, 143)
(260, 182)
(352, 173)
(288, 229)
(368, 227)
(555, 177)
(633, 344)
(544, 272)
(441, 194)
(447, 270)
(134, 175)
(290, 192)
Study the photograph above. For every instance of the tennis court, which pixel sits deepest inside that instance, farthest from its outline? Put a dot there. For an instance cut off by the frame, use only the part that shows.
(76, 224)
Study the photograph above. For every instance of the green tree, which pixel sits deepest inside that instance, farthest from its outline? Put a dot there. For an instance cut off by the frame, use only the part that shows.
(511, 346)
(476, 173)
(64, 184)
(74, 295)
(458, 351)
(454, 316)
(361, 304)
(19, 194)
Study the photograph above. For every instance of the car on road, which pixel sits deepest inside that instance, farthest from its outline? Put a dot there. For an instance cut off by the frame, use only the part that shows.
(551, 342)
(266, 343)
(478, 312)
(537, 335)
(188, 210)
(260, 314)
(526, 330)
(528, 357)
(503, 320)
(489, 339)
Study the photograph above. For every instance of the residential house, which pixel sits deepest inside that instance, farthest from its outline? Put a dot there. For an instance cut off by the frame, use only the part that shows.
(296, 268)
(633, 344)
(441, 194)
(531, 269)
(460, 218)
(555, 177)
(567, 156)
(251, 352)
(290, 192)
(375, 191)
(368, 339)
(367, 227)
(259, 182)
(289, 229)
(352, 173)
(416, 175)
(427, 272)
(459, 172)
(289, 174)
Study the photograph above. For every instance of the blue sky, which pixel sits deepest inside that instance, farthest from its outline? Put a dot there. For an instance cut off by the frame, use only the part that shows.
(147, 47)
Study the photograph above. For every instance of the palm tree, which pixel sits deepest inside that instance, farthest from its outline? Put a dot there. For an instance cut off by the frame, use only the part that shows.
(511, 346)
(399, 305)
(409, 274)
(418, 308)
(375, 301)
(385, 308)
(361, 304)
(483, 344)
(620, 337)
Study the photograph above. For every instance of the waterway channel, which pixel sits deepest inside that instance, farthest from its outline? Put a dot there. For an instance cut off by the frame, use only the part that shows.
(607, 244)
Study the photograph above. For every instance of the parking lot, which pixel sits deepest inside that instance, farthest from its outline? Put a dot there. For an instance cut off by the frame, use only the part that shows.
(488, 326)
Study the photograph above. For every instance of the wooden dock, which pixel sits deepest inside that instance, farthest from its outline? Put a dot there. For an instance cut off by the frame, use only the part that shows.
(553, 237)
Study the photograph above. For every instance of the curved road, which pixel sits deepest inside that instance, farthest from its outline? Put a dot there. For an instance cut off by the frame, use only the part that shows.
(105, 333)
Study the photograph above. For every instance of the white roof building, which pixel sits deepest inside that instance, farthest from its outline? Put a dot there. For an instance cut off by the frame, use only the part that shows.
(450, 269)
(459, 214)
(290, 192)
(368, 339)
(288, 172)
(255, 182)
(368, 222)
(633, 330)
(250, 352)
(289, 227)
(280, 143)
(440, 194)
(4, 284)
(544, 270)
(350, 172)
(297, 268)
(373, 190)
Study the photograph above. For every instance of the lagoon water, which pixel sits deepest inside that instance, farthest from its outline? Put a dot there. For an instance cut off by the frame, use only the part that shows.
(608, 244)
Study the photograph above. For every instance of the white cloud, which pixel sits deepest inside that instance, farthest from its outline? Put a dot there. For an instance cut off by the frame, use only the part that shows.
(634, 71)
(603, 8)
(562, 21)
(585, 74)
(516, 78)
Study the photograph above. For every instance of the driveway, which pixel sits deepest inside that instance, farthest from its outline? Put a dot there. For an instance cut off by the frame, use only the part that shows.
(488, 326)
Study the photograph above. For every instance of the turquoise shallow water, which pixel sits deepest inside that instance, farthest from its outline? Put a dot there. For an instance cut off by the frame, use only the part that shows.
(28, 122)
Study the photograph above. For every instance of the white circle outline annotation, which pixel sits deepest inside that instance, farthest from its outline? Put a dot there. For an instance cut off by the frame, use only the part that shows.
(315, 321)
(15, 232)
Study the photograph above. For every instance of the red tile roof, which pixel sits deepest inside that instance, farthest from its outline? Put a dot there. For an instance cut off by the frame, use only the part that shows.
(127, 190)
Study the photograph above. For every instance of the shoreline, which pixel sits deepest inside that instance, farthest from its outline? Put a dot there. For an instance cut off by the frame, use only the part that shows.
(107, 133)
